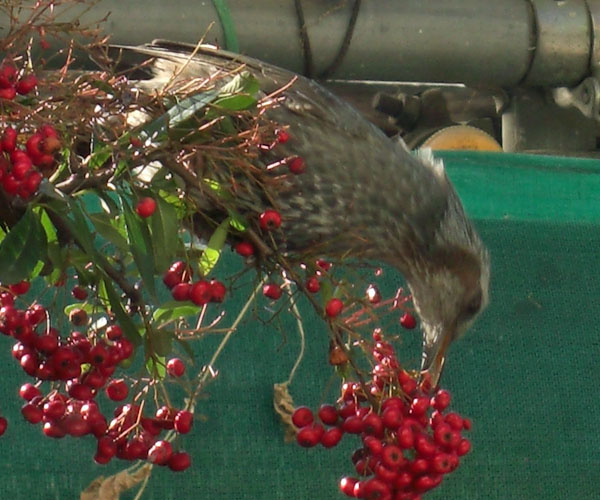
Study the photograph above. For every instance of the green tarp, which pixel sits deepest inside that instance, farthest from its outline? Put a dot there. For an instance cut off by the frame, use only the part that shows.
(527, 373)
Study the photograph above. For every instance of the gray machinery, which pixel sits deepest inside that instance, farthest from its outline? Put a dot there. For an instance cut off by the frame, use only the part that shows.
(526, 71)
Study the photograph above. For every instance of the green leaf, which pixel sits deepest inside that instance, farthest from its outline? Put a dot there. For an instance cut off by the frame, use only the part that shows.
(174, 310)
(22, 248)
(159, 342)
(177, 114)
(156, 367)
(124, 320)
(48, 226)
(236, 102)
(81, 231)
(105, 226)
(101, 85)
(243, 82)
(140, 245)
(212, 252)
(165, 227)
(236, 221)
(88, 308)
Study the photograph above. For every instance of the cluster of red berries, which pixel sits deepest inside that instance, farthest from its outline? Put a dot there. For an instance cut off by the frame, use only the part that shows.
(408, 441)
(11, 84)
(80, 367)
(21, 170)
(178, 279)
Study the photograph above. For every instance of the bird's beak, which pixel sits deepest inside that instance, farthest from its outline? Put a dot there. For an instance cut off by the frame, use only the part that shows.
(435, 345)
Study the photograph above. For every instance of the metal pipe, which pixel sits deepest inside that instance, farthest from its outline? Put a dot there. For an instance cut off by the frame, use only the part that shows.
(499, 43)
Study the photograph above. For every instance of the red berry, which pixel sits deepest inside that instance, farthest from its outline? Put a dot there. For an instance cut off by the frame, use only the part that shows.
(392, 456)
(313, 285)
(181, 291)
(353, 425)
(171, 278)
(424, 446)
(21, 169)
(272, 291)
(441, 463)
(200, 293)
(135, 141)
(175, 367)
(54, 430)
(8, 75)
(98, 355)
(454, 420)
(302, 416)
(444, 435)
(160, 453)
(419, 406)
(425, 483)
(269, 220)
(403, 480)
(32, 413)
(419, 466)
(331, 437)
(373, 425)
(310, 435)
(26, 84)
(179, 461)
(79, 292)
(183, 421)
(9, 140)
(347, 486)
(328, 414)
(217, 291)
(467, 424)
(114, 332)
(244, 248)
(3, 425)
(29, 391)
(125, 347)
(20, 288)
(48, 130)
(391, 418)
(106, 446)
(297, 165)
(334, 307)
(408, 321)
(283, 136)
(463, 447)
(54, 409)
(145, 207)
(405, 437)
(375, 489)
(8, 93)
(117, 390)
(79, 391)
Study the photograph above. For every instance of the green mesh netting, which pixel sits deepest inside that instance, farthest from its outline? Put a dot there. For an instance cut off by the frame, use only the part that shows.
(526, 373)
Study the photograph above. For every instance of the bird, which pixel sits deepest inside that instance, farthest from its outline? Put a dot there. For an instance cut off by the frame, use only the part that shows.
(362, 194)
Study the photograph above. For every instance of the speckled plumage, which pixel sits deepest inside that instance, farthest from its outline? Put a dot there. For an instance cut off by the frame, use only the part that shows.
(362, 194)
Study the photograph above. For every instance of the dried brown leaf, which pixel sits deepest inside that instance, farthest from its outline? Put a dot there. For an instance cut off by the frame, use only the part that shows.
(111, 487)
(284, 406)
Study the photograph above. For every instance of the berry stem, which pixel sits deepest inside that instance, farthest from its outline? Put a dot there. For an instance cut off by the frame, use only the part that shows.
(296, 312)
(208, 371)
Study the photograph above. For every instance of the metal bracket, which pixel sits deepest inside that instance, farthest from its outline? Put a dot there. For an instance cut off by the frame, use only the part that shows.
(585, 97)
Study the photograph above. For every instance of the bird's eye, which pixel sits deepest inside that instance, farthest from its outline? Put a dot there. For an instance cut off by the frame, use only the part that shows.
(473, 306)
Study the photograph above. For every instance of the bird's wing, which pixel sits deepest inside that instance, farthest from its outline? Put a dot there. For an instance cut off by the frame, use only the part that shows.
(376, 173)
(306, 98)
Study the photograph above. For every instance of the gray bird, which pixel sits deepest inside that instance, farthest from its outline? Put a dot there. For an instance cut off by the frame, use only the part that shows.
(362, 194)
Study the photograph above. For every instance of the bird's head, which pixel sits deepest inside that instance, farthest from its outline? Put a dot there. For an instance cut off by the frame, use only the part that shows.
(449, 280)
